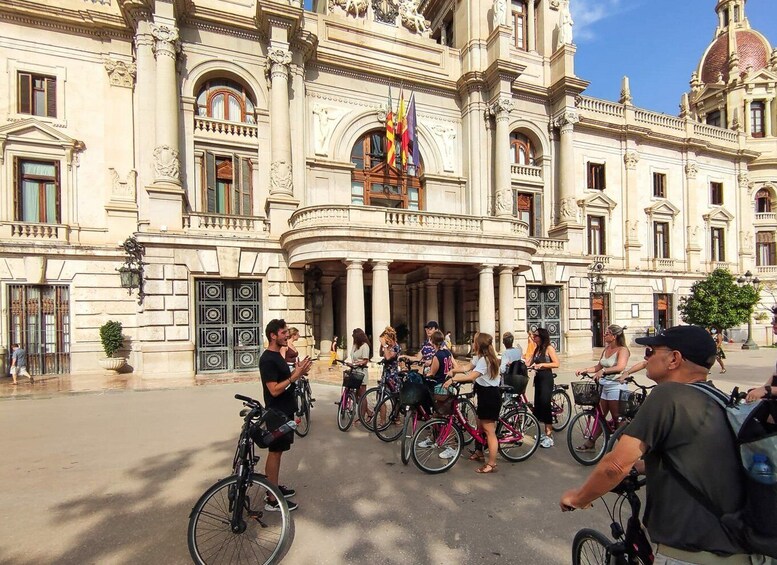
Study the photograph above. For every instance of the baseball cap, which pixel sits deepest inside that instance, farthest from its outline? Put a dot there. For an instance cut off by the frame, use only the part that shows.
(693, 342)
(432, 324)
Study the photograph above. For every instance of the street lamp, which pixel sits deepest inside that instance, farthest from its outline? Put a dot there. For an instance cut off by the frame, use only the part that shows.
(595, 278)
(131, 273)
(749, 280)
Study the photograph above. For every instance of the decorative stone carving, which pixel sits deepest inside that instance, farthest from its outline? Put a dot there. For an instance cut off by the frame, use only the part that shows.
(735, 123)
(281, 180)
(554, 4)
(746, 241)
(549, 272)
(279, 61)
(356, 7)
(631, 158)
(168, 42)
(565, 24)
(120, 73)
(446, 136)
(386, 11)
(504, 202)
(569, 209)
(626, 97)
(106, 2)
(695, 82)
(743, 178)
(685, 106)
(691, 170)
(499, 13)
(325, 118)
(411, 19)
(167, 165)
(567, 120)
(123, 189)
(501, 108)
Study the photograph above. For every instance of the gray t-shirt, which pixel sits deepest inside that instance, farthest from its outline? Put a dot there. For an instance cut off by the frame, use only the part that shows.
(20, 356)
(359, 354)
(687, 428)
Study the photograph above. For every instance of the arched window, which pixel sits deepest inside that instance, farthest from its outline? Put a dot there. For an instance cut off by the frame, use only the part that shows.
(521, 149)
(763, 203)
(375, 183)
(224, 99)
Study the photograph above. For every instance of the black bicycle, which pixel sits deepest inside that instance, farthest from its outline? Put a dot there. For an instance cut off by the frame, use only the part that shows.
(631, 546)
(232, 522)
(303, 399)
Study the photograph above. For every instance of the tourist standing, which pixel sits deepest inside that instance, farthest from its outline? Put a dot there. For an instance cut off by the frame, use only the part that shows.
(360, 357)
(544, 361)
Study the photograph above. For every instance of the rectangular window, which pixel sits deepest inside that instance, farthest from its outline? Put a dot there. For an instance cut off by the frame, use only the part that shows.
(714, 119)
(659, 185)
(37, 95)
(524, 209)
(596, 176)
(757, 119)
(765, 249)
(717, 244)
(716, 193)
(661, 240)
(37, 191)
(228, 185)
(519, 24)
(596, 244)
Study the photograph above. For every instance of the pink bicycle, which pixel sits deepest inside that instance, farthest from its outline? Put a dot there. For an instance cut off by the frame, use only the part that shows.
(437, 443)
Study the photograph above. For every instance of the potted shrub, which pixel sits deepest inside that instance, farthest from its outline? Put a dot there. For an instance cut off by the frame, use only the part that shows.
(112, 340)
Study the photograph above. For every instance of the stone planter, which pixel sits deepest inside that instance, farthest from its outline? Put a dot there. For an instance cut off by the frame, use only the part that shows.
(112, 363)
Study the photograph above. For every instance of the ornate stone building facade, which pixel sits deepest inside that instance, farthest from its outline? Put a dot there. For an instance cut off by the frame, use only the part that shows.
(241, 143)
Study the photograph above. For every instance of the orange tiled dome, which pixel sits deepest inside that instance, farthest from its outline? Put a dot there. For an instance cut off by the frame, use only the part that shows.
(753, 52)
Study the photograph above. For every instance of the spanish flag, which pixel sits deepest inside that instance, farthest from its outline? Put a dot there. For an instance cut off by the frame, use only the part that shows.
(402, 132)
(391, 151)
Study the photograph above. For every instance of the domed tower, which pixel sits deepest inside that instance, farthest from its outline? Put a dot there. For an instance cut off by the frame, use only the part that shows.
(733, 86)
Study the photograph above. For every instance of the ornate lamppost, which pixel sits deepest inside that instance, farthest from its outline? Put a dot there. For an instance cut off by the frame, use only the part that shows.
(131, 273)
(595, 278)
(749, 280)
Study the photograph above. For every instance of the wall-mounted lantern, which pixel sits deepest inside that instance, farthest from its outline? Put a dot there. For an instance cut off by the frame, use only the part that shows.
(131, 273)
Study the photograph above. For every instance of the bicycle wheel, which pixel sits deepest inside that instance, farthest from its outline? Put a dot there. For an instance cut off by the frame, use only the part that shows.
(346, 411)
(367, 404)
(587, 428)
(616, 435)
(408, 431)
(262, 537)
(391, 428)
(471, 416)
(524, 423)
(433, 453)
(303, 415)
(590, 548)
(561, 408)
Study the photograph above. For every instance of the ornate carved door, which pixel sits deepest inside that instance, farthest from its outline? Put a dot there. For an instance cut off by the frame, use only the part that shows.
(229, 325)
(543, 309)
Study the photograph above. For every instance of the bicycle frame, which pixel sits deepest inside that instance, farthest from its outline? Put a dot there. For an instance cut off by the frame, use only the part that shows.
(457, 418)
(633, 542)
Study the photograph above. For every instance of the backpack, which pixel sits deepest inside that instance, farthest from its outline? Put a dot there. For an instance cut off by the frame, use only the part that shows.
(517, 376)
(754, 430)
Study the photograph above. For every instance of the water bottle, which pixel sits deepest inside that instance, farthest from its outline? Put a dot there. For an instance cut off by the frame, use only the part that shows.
(761, 470)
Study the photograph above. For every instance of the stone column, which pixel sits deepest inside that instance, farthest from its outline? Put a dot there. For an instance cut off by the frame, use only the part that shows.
(420, 313)
(632, 245)
(432, 300)
(281, 183)
(503, 191)
(145, 109)
(531, 32)
(748, 119)
(449, 307)
(167, 162)
(354, 314)
(692, 218)
(486, 306)
(506, 304)
(412, 315)
(768, 118)
(381, 315)
(327, 317)
(567, 225)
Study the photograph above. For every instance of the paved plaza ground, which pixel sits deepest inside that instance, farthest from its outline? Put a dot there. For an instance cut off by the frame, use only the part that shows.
(109, 476)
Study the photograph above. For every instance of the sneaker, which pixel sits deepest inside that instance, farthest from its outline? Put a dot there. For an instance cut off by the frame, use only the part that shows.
(273, 506)
(426, 443)
(447, 453)
(546, 442)
(286, 491)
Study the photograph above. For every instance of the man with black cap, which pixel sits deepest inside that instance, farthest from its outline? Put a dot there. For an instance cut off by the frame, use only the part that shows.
(684, 437)
(428, 350)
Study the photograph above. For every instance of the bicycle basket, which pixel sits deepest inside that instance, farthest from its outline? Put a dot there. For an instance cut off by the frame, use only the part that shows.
(414, 394)
(586, 393)
(629, 403)
(518, 382)
(352, 380)
(268, 428)
(443, 404)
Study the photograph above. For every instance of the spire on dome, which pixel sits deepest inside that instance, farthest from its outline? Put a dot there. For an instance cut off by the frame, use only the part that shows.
(731, 14)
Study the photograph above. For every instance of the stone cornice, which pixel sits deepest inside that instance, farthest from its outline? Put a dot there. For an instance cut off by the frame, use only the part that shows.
(87, 21)
(347, 67)
(570, 86)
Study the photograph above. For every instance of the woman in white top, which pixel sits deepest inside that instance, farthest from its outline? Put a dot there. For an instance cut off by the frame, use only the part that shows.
(484, 371)
(360, 356)
(608, 372)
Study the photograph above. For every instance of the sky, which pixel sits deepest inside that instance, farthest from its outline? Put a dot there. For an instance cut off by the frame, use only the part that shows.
(656, 43)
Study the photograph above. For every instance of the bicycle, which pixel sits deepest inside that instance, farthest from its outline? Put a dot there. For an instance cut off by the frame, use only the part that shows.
(370, 399)
(230, 523)
(303, 399)
(631, 546)
(560, 404)
(415, 400)
(437, 444)
(346, 406)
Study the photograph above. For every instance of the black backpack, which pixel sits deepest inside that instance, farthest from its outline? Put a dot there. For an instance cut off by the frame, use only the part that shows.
(517, 376)
(754, 429)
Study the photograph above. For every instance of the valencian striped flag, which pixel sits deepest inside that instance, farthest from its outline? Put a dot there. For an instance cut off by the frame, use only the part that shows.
(391, 151)
(402, 133)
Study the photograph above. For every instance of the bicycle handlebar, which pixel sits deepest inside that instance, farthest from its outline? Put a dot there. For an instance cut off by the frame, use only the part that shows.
(246, 399)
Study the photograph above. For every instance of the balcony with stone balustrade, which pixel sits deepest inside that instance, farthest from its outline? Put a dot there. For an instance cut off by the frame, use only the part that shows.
(765, 219)
(198, 223)
(34, 232)
(220, 130)
(337, 232)
(526, 174)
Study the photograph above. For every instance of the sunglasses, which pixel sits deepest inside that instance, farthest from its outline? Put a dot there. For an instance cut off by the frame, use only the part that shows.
(650, 351)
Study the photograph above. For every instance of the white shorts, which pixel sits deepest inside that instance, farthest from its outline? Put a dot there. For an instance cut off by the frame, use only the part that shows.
(611, 390)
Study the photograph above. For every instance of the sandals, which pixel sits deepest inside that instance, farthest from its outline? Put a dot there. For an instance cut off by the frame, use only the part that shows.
(487, 468)
(584, 447)
(476, 456)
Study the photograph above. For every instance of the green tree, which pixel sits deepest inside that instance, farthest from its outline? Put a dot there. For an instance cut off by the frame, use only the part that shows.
(719, 302)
